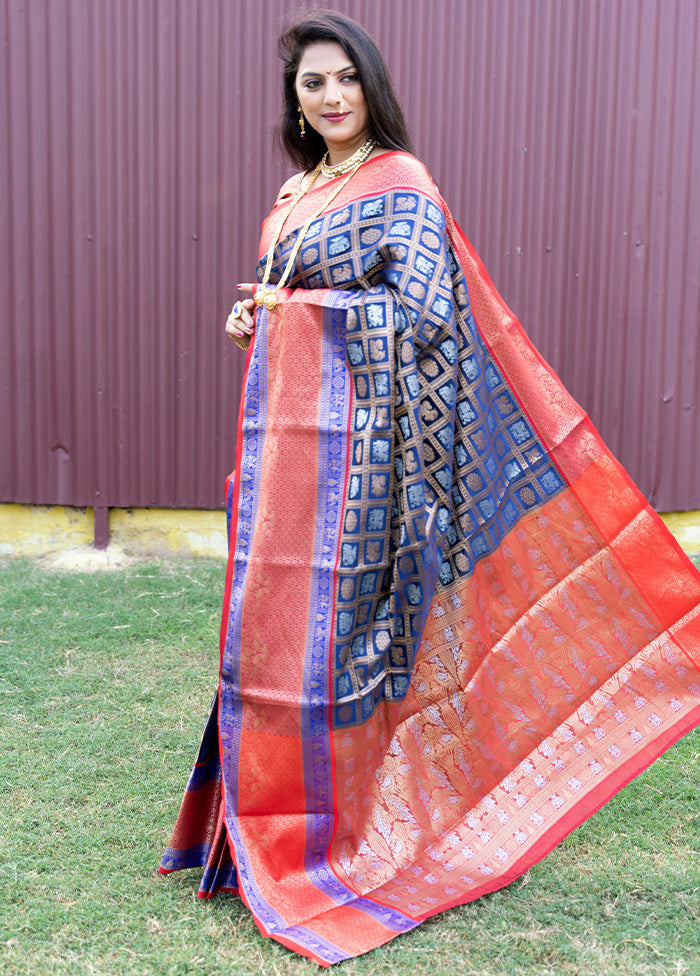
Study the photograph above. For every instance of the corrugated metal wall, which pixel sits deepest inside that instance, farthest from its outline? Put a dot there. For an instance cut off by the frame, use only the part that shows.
(138, 165)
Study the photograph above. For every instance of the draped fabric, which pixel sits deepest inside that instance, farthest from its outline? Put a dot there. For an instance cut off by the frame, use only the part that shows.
(452, 628)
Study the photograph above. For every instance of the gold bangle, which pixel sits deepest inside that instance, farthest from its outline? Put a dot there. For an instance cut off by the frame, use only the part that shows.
(243, 341)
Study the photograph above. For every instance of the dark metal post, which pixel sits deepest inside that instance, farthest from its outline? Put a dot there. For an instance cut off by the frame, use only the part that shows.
(101, 525)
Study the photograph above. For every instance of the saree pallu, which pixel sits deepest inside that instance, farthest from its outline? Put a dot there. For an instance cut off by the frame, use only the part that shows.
(453, 628)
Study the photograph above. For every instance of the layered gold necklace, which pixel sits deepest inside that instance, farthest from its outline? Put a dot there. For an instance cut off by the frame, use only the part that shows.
(268, 296)
(357, 159)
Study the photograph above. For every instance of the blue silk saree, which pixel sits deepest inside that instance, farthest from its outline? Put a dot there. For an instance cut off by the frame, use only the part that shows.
(453, 628)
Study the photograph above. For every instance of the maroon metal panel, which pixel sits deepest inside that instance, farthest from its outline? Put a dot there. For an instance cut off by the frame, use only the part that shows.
(137, 164)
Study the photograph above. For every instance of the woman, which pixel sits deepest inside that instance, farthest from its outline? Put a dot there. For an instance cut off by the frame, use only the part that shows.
(443, 642)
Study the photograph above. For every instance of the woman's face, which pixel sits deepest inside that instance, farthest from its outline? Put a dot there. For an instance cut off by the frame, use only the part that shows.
(331, 98)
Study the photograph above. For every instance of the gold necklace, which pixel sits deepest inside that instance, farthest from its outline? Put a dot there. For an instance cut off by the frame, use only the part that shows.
(268, 296)
(357, 157)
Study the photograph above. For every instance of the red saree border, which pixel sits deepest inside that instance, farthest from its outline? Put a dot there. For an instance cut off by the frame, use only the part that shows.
(612, 532)
(229, 582)
(580, 812)
(300, 950)
(234, 507)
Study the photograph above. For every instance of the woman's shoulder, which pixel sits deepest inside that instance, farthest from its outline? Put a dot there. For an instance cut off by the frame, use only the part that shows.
(402, 170)
(289, 188)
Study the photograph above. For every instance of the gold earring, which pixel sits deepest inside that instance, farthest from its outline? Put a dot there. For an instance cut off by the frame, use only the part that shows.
(302, 129)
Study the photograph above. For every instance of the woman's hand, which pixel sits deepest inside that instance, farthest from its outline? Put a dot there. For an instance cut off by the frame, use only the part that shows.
(241, 322)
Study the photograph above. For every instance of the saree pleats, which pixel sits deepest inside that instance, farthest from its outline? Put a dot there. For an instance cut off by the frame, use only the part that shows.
(453, 628)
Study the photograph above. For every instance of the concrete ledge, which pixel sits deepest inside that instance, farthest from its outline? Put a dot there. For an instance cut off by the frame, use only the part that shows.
(39, 530)
(34, 530)
(685, 526)
(167, 531)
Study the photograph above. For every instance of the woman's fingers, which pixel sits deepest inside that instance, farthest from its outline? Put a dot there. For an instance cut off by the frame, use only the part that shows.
(241, 321)
(238, 327)
(245, 319)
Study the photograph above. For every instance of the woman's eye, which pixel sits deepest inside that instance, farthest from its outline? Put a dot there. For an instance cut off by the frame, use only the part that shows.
(352, 77)
(310, 85)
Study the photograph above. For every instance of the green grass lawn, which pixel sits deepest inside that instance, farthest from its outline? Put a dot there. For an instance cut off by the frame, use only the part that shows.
(105, 681)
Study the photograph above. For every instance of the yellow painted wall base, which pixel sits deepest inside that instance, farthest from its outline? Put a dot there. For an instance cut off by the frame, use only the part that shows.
(165, 531)
(38, 530)
(686, 528)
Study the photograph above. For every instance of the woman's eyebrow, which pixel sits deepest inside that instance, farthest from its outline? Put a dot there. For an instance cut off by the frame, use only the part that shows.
(320, 74)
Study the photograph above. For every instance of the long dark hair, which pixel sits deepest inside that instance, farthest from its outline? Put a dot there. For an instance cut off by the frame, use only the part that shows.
(386, 122)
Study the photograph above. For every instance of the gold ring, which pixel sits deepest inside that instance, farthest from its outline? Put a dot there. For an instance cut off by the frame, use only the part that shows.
(237, 309)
